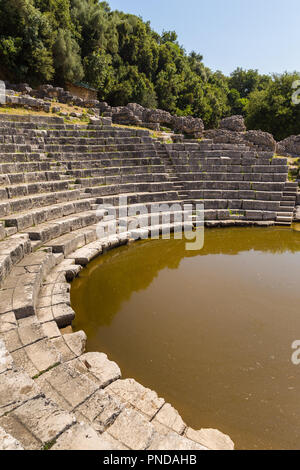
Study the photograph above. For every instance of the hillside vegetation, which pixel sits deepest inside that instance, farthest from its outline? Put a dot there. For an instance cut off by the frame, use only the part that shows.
(126, 61)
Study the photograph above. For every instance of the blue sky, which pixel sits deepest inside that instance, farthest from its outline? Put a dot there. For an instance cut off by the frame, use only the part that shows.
(261, 34)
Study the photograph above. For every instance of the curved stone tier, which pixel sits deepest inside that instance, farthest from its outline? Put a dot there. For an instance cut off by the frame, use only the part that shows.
(53, 178)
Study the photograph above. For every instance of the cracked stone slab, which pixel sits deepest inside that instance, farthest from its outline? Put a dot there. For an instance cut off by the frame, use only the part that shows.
(67, 386)
(36, 423)
(37, 357)
(15, 388)
(61, 346)
(100, 410)
(24, 299)
(51, 330)
(139, 397)
(84, 255)
(23, 336)
(132, 429)
(84, 437)
(98, 364)
(170, 418)
(54, 299)
(211, 438)
(76, 342)
(62, 314)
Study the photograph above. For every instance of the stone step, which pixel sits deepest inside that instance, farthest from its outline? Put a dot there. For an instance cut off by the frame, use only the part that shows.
(20, 290)
(25, 167)
(12, 251)
(284, 219)
(285, 214)
(48, 231)
(70, 242)
(134, 198)
(30, 189)
(290, 185)
(289, 209)
(11, 206)
(138, 208)
(116, 170)
(30, 177)
(132, 140)
(82, 148)
(136, 188)
(122, 180)
(35, 217)
(107, 163)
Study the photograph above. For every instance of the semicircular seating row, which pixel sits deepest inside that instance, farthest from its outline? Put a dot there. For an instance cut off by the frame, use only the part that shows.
(53, 178)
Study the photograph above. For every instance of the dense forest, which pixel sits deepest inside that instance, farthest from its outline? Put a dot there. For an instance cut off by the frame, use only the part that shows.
(54, 41)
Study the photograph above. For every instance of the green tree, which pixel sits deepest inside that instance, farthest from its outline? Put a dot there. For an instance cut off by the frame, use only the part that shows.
(272, 109)
(247, 81)
(26, 41)
(67, 58)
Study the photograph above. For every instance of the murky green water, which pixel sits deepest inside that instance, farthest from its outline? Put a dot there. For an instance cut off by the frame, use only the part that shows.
(211, 332)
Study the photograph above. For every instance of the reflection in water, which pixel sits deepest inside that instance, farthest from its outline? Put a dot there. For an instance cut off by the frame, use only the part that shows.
(211, 332)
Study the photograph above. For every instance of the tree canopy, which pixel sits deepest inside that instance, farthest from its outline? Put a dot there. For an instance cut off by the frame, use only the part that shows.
(126, 61)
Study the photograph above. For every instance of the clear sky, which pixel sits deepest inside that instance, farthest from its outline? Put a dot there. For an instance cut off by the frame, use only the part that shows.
(260, 34)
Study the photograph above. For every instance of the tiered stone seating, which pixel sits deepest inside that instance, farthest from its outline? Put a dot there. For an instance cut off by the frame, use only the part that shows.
(57, 181)
(233, 183)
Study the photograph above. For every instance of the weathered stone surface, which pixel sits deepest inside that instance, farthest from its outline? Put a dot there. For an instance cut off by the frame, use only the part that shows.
(36, 423)
(36, 358)
(51, 330)
(263, 140)
(101, 367)
(15, 388)
(157, 116)
(188, 125)
(173, 441)
(170, 418)
(7, 442)
(289, 146)
(76, 342)
(233, 123)
(83, 437)
(210, 438)
(132, 430)
(67, 386)
(63, 349)
(63, 315)
(224, 136)
(101, 410)
(141, 398)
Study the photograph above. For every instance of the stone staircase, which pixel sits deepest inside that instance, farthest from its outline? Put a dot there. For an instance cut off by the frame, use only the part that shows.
(57, 182)
(287, 204)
